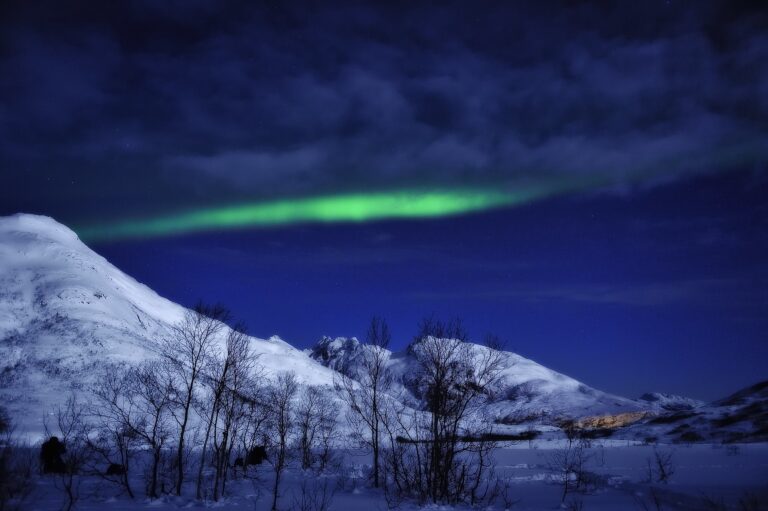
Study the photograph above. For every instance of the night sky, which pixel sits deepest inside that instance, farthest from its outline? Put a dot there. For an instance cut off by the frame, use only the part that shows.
(587, 181)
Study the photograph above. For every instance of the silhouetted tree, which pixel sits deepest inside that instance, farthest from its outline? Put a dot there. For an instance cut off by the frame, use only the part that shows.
(437, 457)
(315, 422)
(152, 392)
(116, 418)
(281, 402)
(188, 351)
(430, 326)
(236, 374)
(73, 432)
(365, 396)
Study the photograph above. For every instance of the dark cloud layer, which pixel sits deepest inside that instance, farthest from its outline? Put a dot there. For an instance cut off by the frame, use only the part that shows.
(108, 108)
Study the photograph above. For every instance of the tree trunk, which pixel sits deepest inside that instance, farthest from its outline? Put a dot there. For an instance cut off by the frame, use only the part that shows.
(180, 453)
(155, 466)
(198, 491)
(274, 492)
(375, 445)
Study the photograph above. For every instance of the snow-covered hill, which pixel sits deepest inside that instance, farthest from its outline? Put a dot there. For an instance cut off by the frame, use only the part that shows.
(740, 417)
(527, 391)
(669, 402)
(65, 311)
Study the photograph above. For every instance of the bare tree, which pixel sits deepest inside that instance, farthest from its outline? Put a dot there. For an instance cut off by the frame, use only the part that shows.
(222, 367)
(73, 434)
(116, 418)
(281, 401)
(207, 407)
(256, 422)
(307, 423)
(315, 496)
(661, 467)
(327, 434)
(241, 369)
(453, 377)
(188, 351)
(564, 463)
(430, 326)
(435, 456)
(315, 421)
(366, 394)
(152, 392)
(570, 462)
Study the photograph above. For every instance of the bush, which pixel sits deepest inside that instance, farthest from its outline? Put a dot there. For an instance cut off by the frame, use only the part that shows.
(661, 467)
(528, 435)
(690, 437)
(595, 433)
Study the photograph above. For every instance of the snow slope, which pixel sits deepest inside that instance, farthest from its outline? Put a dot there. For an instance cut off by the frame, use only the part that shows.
(740, 417)
(527, 391)
(669, 402)
(65, 312)
(530, 394)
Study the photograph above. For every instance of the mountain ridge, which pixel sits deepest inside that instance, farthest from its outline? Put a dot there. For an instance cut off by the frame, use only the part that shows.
(66, 312)
(524, 384)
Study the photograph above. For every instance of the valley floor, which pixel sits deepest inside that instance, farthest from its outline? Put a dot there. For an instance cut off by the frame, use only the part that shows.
(706, 477)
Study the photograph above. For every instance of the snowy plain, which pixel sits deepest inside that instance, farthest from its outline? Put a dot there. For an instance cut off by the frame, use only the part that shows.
(706, 477)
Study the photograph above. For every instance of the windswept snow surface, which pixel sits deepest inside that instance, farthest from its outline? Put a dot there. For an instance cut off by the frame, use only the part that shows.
(66, 312)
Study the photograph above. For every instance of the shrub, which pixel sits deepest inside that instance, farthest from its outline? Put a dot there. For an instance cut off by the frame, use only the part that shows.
(690, 437)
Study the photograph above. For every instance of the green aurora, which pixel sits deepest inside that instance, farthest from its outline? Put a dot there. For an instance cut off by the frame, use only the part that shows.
(402, 204)
(356, 207)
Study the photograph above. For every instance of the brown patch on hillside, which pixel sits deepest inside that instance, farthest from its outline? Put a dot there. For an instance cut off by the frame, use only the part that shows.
(610, 421)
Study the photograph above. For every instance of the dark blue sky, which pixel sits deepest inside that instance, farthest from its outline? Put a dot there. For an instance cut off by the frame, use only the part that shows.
(648, 275)
(659, 289)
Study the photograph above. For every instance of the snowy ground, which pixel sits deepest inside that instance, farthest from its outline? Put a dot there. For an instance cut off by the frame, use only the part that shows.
(706, 476)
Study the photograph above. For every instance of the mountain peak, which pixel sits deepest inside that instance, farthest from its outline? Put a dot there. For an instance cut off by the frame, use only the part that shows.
(66, 313)
(524, 385)
(40, 225)
(342, 354)
(670, 402)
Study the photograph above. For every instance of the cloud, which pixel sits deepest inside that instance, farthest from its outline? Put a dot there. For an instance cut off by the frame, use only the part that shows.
(262, 101)
(731, 292)
(251, 169)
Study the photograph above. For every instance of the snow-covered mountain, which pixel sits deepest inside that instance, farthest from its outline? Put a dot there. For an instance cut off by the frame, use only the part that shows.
(740, 417)
(669, 402)
(527, 391)
(65, 312)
